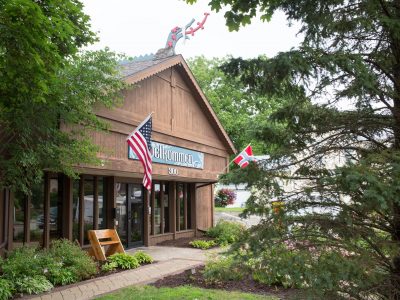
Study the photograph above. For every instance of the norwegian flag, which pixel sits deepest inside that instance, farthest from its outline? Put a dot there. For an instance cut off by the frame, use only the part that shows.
(139, 141)
(245, 157)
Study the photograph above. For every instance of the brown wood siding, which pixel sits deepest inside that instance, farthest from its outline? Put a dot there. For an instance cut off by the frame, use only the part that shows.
(178, 120)
(116, 159)
(204, 200)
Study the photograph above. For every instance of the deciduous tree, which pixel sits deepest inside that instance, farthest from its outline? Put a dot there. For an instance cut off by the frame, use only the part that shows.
(46, 82)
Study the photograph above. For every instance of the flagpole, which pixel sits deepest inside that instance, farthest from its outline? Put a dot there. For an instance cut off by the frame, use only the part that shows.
(233, 159)
(144, 121)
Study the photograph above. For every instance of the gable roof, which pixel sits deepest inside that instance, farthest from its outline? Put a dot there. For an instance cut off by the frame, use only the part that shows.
(140, 69)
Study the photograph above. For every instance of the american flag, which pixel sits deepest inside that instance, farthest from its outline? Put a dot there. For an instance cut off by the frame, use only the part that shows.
(139, 141)
(244, 158)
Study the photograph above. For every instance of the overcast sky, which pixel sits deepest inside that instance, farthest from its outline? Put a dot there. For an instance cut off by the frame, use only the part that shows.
(138, 27)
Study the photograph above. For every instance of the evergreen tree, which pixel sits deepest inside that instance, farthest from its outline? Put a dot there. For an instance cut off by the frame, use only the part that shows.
(336, 136)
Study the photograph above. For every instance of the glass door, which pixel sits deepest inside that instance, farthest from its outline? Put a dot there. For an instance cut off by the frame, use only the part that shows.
(135, 215)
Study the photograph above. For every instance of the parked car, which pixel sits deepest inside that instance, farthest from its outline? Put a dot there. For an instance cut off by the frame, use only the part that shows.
(53, 218)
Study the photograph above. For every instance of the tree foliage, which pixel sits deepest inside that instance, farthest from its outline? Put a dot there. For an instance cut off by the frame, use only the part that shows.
(47, 83)
(239, 110)
(335, 135)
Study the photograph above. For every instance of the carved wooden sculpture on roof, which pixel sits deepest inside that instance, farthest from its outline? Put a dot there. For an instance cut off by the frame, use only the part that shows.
(176, 34)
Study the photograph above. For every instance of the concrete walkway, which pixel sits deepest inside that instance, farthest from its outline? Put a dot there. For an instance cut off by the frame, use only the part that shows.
(170, 260)
(161, 253)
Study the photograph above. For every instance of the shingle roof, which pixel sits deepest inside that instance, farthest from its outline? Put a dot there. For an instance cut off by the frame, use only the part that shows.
(139, 64)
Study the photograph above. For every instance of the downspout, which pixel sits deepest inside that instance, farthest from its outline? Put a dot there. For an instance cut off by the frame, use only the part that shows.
(6, 216)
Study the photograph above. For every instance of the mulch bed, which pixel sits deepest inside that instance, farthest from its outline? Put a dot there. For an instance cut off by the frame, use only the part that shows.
(183, 242)
(247, 285)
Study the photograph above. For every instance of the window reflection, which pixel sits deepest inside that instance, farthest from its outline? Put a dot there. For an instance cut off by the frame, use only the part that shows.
(55, 209)
(189, 208)
(136, 213)
(102, 201)
(37, 214)
(157, 208)
(121, 216)
(166, 207)
(179, 207)
(19, 215)
(75, 210)
(183, 207)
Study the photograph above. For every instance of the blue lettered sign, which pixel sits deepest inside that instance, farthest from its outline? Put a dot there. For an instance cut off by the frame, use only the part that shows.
(171, 155)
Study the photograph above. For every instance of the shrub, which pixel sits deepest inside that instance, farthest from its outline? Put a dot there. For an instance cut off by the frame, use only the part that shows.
(6, 289)
(222, 269)
(23, 261)
(320, 273)
(61, 276)
(226, 232)
(224, 197)
(143, 258)
(33, 285)
(202, 244)
(34, 271)
(71, 257)
(124, 261)
(280, 266)
(109, 266)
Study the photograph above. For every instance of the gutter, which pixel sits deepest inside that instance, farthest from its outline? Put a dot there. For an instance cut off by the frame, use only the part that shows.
(206, 184)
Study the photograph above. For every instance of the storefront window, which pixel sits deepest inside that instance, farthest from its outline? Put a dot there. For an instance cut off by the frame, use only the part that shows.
(166, 207)
(161, 204)
(182, 211)
(102, 203)
(157, 208)
(36, 223)
(75, 210)
(88, 196)
(179, 207)
(183, 207)
(82, 224)
(19, 216)
(55, 210)
(189, 208)
(121, 216)
(31, 208)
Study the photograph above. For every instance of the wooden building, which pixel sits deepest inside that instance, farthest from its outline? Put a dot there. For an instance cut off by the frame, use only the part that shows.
(190, 150)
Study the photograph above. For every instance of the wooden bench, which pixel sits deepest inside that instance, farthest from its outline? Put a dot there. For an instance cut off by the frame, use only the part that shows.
(99, 239)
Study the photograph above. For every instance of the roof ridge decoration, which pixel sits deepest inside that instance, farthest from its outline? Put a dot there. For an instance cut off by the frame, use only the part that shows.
(176, 34)
(144, 57)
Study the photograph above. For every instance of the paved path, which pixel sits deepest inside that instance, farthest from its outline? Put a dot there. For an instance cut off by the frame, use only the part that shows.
(161, 253)
(171, 260)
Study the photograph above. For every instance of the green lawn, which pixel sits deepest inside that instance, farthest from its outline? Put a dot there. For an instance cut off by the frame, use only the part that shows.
(183, 292)
(229, 209)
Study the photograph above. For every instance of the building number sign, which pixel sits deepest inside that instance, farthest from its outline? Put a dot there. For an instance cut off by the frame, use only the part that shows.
(172, 171)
